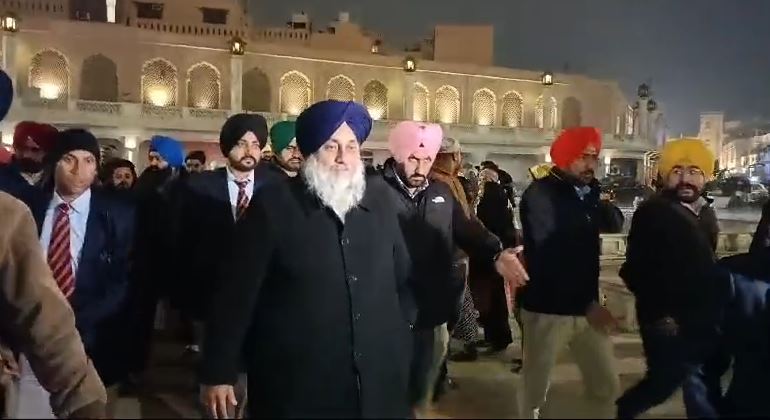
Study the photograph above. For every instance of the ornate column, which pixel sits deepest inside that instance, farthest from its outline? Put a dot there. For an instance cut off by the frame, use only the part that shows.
(236, 83)
(10, 27)
(237, 50)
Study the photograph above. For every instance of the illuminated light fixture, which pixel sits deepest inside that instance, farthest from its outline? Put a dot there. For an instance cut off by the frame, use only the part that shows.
(49, 91)
(548, 158)
(643, 91)
(410, 64)
(375, 49)
(377, 113)
(608, 160)
(547, 78)
(10, 23)
(652, 106)
(130, 142)
(237, 46)
(158, 96)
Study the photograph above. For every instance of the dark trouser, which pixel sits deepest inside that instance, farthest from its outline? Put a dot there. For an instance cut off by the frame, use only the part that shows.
(493, 316)
(672, 362)
(428, 354)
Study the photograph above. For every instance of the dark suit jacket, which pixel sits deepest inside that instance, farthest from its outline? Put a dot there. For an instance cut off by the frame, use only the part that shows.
(206, 230)
(101, 282)
(12, 182)
(320, 306)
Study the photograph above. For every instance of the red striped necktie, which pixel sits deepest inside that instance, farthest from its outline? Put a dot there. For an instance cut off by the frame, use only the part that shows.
(59, 254)
(242, 202)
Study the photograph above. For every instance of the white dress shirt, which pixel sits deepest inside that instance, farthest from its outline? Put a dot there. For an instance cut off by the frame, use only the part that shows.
(232, 188)
(80, 208)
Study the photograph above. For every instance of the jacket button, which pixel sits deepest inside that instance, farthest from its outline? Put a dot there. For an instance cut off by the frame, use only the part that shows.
(356, 317)
(357, 355)
(345, 241)
(352, 278)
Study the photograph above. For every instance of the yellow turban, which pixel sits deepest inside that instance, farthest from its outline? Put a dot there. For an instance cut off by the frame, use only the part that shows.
(686, 152)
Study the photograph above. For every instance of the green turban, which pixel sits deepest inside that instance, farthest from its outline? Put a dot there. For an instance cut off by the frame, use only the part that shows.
(281, 134)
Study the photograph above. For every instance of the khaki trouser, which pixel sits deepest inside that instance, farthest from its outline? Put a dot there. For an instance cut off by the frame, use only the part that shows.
(429, 352)
(545, 336)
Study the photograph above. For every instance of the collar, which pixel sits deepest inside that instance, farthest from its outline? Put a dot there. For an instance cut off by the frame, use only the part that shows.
(390, 172)
(696, 206)
(79, 205)
(231, 177)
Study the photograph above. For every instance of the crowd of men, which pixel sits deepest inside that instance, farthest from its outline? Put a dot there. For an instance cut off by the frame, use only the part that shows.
(314, 285)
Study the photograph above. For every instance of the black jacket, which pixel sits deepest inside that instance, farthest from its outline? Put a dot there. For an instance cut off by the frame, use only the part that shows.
(322, 307)
(496, 212)
(670, 262)
(433, 224)
(206, 229)
(561, 246)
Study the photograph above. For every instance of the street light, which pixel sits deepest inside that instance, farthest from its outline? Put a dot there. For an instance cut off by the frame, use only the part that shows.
(10, 22)
(546, 78)
(643, 91)
(410, 64)
(237, 46)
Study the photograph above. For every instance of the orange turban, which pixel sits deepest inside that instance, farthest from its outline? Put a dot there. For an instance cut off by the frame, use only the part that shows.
(571, 144)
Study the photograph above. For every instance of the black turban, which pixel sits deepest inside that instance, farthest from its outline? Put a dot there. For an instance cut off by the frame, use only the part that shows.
(238, 125)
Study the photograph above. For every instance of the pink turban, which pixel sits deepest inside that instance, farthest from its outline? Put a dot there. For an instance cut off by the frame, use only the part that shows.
(409, 138)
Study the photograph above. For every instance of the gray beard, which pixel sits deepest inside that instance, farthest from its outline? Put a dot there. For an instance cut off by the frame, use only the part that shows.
(341, 192)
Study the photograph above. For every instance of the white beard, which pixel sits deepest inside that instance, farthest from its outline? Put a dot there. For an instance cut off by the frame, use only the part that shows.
(340, 191)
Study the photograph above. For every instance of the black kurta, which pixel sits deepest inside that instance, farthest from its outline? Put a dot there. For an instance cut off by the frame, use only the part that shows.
(322, 308)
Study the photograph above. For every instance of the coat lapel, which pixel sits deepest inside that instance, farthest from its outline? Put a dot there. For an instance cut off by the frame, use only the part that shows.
(221, 191)
(94, 240)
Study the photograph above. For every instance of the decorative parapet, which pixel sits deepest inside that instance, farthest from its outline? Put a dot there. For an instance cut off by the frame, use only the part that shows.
(162, 112)
(220, 114)
(99, 107)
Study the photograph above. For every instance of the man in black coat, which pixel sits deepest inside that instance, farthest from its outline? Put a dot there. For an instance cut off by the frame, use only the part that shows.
(672, 271)
(560, 219)
(212, 203)
(315, 289)
(433, 225)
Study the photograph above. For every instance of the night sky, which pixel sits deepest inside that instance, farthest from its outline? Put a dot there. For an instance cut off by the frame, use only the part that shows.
(700, 55)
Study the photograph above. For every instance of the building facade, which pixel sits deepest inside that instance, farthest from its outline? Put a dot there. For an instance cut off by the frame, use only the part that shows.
(129, 70)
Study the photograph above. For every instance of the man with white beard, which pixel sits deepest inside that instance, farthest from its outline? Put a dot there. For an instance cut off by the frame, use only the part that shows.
(316, 296)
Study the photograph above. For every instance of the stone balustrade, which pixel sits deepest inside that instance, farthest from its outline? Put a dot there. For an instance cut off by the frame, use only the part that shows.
(615, 295)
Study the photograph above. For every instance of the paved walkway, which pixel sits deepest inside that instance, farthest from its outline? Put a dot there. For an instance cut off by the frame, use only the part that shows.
(487, 388)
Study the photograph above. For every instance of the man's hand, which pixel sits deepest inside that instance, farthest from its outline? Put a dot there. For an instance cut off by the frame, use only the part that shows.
(510, 267)
(218, 399)
(601, 319)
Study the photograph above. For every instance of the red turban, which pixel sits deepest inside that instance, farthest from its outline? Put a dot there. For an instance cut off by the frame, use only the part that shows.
(5, 155)
(571, 144)
(43, 135)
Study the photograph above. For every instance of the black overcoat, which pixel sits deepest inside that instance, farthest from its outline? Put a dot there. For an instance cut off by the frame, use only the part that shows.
(323, 308)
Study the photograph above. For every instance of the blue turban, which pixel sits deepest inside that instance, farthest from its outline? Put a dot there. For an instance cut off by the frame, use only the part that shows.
(6, 94)
(316, 124)
(169, 149)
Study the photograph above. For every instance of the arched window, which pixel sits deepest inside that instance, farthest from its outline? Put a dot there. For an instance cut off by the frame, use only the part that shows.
(294, 93)
(204, 88)
(376, 99)
(341, 88)
(447, 105)
(484, 107)
(512, 109)
(421, 102)
(159, 83)
(49, 72)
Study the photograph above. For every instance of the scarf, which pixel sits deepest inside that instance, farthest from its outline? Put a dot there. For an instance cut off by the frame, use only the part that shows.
(444, 170)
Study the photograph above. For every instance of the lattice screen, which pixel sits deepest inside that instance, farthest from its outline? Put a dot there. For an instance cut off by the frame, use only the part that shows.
(552, 114)
(421, 103)
(203, 87)
(159, 83)
(447, 105)
(295, 93)
(49, 72)
(341, 88)
(539, 112)
(100, 79)
(376, 99)
(256, 91)
(484, 107)
(512, 110)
